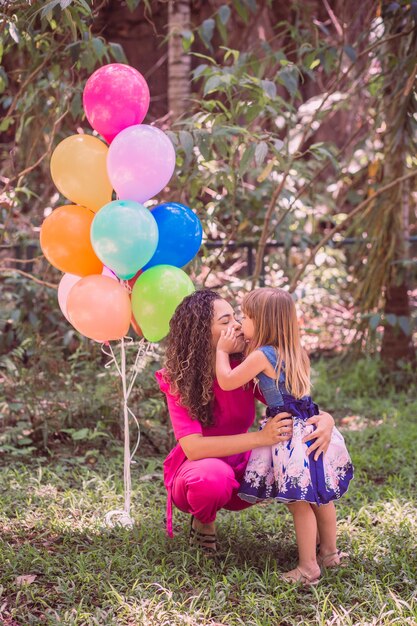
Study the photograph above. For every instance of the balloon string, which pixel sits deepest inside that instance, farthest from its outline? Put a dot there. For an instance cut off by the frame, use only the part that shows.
(143, 350)
(138, 437)
(113, 360)
(135, 369)
(127, 478)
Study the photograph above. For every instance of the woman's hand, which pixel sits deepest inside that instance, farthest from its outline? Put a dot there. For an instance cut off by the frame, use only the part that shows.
(228, 342)
(322, 434)
(277, 429)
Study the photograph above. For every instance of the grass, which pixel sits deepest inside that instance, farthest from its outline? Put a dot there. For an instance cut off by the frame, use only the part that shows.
(51, 527)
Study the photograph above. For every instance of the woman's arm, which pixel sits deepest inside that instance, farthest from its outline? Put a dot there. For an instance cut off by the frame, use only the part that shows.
(188, 431)
(277, 429)
(322, 434)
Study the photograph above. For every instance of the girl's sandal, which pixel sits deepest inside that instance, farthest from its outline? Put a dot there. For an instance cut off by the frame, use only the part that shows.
(206, 542)
(298, 577)
(334, 559)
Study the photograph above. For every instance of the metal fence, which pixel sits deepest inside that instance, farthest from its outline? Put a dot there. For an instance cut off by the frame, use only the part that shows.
(27, 251)
(249, 250)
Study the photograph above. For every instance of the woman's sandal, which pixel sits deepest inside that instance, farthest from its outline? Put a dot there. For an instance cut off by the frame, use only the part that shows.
(206, 542)
(298, 577)
(334, 559)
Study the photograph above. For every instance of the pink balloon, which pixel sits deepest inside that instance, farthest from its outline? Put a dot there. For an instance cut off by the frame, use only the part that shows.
(115, 96)
(66, 283)
(140, 162)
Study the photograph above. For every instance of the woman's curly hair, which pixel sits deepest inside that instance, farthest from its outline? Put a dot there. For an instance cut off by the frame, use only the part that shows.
(189, 354)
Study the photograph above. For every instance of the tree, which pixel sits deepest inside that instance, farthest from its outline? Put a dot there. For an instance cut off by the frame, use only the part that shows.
(179, 62)
(387, 222)
(287, 170)
(281, 142)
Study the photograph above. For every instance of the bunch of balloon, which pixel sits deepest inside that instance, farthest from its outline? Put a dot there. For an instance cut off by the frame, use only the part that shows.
(121, 260)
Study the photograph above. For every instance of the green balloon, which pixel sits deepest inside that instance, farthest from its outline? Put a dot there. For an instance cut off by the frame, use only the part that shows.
(156, 295)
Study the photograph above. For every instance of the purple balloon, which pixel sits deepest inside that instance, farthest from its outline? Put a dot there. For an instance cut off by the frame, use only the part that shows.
(115, 96)
(108, 272)
(140, 162)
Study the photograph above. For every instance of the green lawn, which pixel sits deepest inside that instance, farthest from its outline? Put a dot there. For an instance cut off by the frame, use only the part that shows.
(51, 527)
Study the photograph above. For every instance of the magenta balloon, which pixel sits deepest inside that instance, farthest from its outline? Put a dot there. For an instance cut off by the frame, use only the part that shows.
(115, 96)
(140, 162)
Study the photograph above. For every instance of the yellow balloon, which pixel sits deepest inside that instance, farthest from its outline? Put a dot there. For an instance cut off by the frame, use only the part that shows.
(78, 169)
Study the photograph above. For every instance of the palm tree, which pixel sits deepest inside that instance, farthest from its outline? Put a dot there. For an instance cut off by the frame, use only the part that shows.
(387, 222)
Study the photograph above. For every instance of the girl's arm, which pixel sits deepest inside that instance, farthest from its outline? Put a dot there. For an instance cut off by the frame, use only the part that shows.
(229, 378)
(196, 447)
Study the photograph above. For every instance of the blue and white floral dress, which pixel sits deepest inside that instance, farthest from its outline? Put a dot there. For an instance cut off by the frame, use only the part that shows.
(283, 471)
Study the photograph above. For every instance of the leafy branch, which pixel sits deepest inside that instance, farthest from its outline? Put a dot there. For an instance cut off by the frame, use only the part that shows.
(363, 205)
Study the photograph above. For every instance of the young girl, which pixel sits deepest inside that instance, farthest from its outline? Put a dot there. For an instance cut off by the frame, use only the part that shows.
(285, 472)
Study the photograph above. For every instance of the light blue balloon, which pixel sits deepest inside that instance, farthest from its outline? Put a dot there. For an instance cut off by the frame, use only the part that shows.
(124, 235)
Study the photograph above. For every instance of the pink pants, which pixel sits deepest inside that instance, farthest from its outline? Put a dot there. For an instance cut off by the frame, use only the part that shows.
(204, 487)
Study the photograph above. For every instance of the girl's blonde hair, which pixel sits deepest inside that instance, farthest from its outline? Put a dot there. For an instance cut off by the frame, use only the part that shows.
(274, 317)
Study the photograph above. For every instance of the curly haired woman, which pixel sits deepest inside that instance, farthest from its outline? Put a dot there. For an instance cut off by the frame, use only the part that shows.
(203, 472)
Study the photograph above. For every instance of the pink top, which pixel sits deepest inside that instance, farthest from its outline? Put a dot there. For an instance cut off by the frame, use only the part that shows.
(234, 413)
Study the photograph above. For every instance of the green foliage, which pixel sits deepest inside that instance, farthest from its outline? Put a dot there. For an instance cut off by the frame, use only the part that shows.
(48, 50)
(361, 379)
(360, 389)
(54, 388)
(259, 157)
(251, 133)
(260, 161)
(71, 402)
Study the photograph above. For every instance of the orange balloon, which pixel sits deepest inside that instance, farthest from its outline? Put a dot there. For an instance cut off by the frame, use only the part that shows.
(65, 241)
(99, 308)
(78, 169)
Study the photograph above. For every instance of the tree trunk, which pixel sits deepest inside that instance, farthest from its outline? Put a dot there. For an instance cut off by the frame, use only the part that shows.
(179, 62)
(141, 34)
(396, 344)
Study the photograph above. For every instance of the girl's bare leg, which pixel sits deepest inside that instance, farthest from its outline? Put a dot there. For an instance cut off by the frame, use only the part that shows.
(305, 524)
(325, 514)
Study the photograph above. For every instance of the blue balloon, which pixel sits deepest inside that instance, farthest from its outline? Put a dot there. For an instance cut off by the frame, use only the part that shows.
(180, 235)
